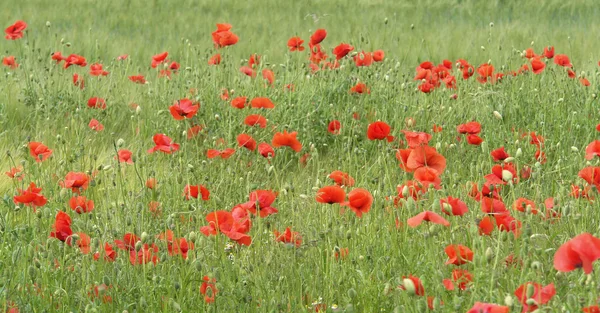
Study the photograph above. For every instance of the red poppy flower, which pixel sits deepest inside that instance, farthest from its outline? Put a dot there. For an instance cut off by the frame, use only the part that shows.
(562, 60)
(473, 128)
(95, 125)
(524, 205)
(125, 156)
(184, 108)
(74, 59)
(537, 65)
(287, 139)
(379, 131)
(427, 216)
(58, 57)
(269, 76)
(163, 144)
(541, 295)
(318, 36)
(499, 154)
(592, 150)
(78, 81)
(289, 237)
(10, 62)
(591, 175)
(480, 307)
(363, 59)
(262, 103)
(15, 173)
(223, 36)
(426, 87)
(591, 309)
(151, 183)
(174, 66)
(15, 31)
(239, 102)
(453, 206)
(458, 254)
(359, 201)
(39, 151)
(341, 178)
(549, 52)
(194, 131)
(342, 50)
(378, 55)
(579, 252)
(246, 141)
(474, 140)
(30, 196)
(76, 181)
(485, 71)
(295, 44)
(176, 246)
(571, 74)
(248, 71)
(331, 194)
(261, 203)
(159, 58)
(147, 254)
(209, 289)
(585, 82)
(96, 103)
(61, 229)
(234, 225)
(96, 69)
(83, 242)
(215, 59)
(109, 254)
(486, 225)
(256, 119)
(416, 139)
(138, 79)
(422, 156)
(122, 57)
(360, 88)
(266, 150)
(334, 127)
(81, 204)
(427, 176)
(460, 277)
(193, 191)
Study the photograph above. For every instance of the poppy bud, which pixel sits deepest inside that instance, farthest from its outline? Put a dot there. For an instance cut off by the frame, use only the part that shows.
(498, 115)
(412, 26)
(518, 153)
(48, 24)
(385, 21)
(145, 237)
(352, 293)
(509, 159)
(530, 290)
(491, 24)
(536, 265)
(138, 246)
(68, 44)
(507, 176)
(508, 301)
(489, 254)
(349, 308)
(387, 289)
(531, 301)
(193, 237)
(483, 48)
(106, 280)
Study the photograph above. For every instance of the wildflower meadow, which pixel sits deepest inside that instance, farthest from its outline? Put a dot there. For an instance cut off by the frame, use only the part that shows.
(300, 156)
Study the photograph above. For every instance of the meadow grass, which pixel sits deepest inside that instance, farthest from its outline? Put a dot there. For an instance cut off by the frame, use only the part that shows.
(39, 102)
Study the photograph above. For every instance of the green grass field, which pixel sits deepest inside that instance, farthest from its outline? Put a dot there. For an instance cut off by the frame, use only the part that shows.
(339, 262)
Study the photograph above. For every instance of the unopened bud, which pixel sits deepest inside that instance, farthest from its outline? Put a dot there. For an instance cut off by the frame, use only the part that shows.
(518, 153)
(507, 176)
(498, 115)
